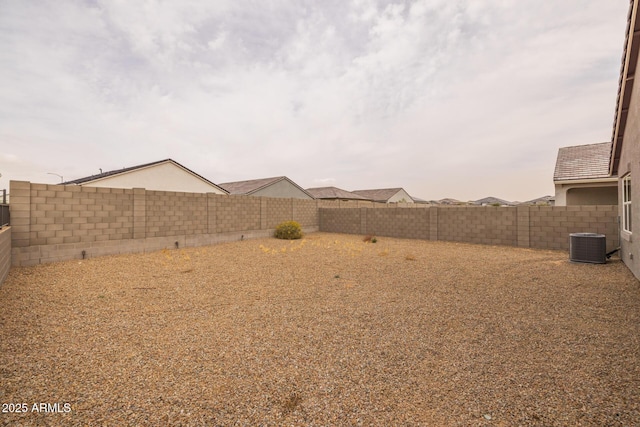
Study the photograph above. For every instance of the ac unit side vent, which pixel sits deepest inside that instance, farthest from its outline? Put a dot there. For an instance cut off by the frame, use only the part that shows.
(588, 247)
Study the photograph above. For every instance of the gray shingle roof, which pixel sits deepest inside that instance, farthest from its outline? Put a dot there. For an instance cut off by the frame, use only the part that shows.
(419, 200)
(583, 162)
(113, 172)
(378, 195)
(91, 178)
(249, 186)
(333, 193)
(543, 199)
(492, 200)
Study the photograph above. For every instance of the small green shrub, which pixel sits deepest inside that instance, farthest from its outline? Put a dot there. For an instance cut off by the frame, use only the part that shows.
(289, 230)
(374, 240)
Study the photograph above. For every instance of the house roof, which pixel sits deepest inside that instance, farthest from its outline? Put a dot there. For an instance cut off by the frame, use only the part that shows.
(625, 84)
(333, 193)
(543, 199)
(251, 186)
(449, 201)
(492, 200)
(103, 175)
(583, 162)
(379, 195)
(419, 200)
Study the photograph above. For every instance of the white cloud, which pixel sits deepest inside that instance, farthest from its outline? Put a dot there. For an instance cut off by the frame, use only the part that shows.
(442, 98)
(218, 42)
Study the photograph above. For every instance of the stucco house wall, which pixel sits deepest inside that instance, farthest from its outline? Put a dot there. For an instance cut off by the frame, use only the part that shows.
(282, 189)
(630, 164)
(607, 195)
(160, 177)
(625, 153)
(401, 196)
(386, 195)
(589, 193)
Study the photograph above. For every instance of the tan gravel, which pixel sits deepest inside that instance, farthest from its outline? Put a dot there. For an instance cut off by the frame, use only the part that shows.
(326, 331)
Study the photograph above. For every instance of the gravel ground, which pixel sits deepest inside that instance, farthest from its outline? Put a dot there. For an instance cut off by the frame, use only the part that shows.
(328, 330)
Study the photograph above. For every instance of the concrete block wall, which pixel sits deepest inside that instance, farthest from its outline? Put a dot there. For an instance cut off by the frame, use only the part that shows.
(56, 223)
(20, 211)
(351, 204)
(326, 203)
(550, 226)
(278, 211)
(524, 226)
(55, 214)
(523, 221)
(364, 204)
(175, 214)
(398, 222)
(305, 212)
(475, 224)
(237, 213)
(5, 252)
(346, 220)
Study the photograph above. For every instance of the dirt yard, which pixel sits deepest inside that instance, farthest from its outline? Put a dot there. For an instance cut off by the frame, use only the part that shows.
(328, 331)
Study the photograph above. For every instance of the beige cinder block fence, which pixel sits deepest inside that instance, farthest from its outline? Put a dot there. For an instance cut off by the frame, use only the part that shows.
(541, 227)
(5, 252)
(54, 223)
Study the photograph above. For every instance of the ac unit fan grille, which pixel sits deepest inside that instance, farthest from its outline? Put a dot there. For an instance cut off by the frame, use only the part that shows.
(587, 247)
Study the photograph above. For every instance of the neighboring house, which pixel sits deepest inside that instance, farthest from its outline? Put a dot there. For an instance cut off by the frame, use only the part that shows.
(625, 151)
(278, 187)
(386, 195)
(334, 193)
(541, 201)
(581, 176)
(420, 201)
(163, 175)
(491, 201)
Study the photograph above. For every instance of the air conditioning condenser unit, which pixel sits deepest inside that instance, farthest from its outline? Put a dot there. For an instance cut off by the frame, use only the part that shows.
(588, 247)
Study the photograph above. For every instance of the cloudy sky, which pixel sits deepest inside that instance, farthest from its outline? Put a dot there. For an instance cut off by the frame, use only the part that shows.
(462, 99)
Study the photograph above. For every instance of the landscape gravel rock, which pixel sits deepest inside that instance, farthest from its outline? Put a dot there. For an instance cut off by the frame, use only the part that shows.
(325, 331)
